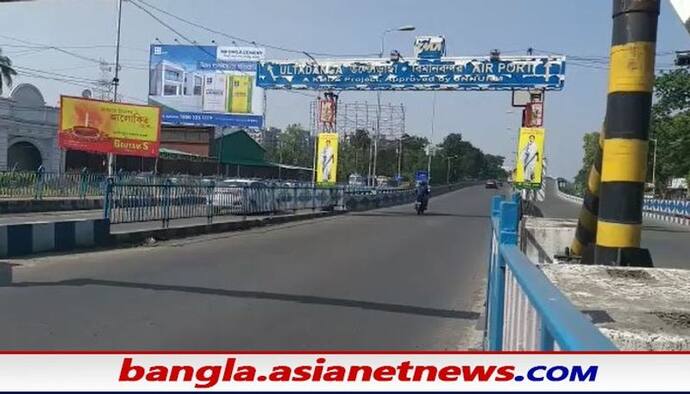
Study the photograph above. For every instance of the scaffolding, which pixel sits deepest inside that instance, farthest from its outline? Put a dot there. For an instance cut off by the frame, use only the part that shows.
(351, 117)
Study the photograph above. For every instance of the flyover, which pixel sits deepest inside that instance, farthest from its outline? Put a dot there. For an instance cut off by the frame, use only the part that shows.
(667, 242)
(380, 279)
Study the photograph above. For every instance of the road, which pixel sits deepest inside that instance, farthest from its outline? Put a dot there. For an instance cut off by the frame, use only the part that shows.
(668, 243)
(382, 279)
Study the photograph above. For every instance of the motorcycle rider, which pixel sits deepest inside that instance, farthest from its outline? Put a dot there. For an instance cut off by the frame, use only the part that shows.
(423, 193)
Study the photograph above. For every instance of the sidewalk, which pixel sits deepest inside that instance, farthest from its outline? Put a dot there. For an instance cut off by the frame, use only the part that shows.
(48, 204)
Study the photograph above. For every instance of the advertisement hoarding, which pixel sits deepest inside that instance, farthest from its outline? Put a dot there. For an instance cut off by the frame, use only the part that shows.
(467, 73)
(530, 158)
(327, 160)
(107, 127)
(429, 47)
(206, 85)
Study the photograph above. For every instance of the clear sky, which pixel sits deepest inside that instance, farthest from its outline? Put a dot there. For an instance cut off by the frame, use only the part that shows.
(578, 29)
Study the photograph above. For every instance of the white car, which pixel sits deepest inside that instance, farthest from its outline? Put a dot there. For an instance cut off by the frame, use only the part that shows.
(243, 196)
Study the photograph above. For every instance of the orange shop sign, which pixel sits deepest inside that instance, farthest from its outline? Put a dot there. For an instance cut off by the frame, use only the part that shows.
(107, 127)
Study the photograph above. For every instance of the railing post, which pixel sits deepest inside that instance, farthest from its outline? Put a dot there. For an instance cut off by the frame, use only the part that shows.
(313, 198)
(507, 235)
(493, 252)
(294, 206)
(273, 199)
(244, 203)
(210, 192)
(83, 182)
(108, 200)
(545, 338)
(38, 188)
(166, 202)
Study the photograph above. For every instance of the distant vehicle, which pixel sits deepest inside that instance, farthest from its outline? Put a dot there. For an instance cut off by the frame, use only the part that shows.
(491, 184)
(356, 180)
(242, 196)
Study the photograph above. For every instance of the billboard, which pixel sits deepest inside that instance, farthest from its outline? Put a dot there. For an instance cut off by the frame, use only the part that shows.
(206, 85)
(530, 158)
(467, 73)
(327, 159)
(107, 127)
(429, 47)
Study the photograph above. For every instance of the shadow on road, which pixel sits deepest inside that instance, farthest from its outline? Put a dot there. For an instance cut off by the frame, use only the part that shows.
(261, 295)
(413, 213)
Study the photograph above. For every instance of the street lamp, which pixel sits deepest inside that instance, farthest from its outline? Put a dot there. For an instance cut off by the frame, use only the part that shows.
(448, 168)
(378, 96)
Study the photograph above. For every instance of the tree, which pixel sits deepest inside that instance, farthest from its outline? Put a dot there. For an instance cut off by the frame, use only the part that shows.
(6, 71)
(466, 161)
(295, 146)
(670, 126)
(493, 167)
(590, 145)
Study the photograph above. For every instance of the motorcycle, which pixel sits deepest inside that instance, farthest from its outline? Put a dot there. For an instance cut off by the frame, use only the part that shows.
(420, 207)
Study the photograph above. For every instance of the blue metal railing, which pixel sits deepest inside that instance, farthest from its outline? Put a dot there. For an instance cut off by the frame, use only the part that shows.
(556, 320)
(680, 208)
(129, 203)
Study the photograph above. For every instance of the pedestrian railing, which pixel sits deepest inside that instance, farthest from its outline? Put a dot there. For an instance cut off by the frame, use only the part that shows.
(524, 310)
(40, 184)
(677, 211)
(668, 207)
(128, 203)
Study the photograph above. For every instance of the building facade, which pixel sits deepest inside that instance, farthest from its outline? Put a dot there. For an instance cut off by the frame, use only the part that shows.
(28, 132)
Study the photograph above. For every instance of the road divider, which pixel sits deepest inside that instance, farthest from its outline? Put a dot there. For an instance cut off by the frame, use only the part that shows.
(40, 237)
(241, 208)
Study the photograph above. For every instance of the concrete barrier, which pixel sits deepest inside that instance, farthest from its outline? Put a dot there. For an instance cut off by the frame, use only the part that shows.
(636, 308)
(30, 238)
(49, 205)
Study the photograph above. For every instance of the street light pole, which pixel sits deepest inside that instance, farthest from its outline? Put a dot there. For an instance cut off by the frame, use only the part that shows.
(431, 140)
(448, 169)
(378, 99)
(116, 79)
(654, 166)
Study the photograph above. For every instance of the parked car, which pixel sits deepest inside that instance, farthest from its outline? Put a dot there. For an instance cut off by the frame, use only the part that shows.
(491, 184)
(242, 196)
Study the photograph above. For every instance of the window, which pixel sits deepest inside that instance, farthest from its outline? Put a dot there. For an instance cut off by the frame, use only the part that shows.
(172, 75)
(197, 85)
(170, 90)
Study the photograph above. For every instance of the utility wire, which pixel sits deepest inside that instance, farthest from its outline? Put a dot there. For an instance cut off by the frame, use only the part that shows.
(71, 53)
(236, 38)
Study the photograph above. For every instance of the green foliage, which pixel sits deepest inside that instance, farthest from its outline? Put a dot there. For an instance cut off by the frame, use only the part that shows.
(590, 144)
(6, 71)
(670, 126)
(295, 147)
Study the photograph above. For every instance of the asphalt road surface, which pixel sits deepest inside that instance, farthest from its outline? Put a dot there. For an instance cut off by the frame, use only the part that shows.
(668, 243)
(382, 279)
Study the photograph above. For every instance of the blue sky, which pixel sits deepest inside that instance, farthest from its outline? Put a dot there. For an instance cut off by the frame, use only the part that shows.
(579, 28)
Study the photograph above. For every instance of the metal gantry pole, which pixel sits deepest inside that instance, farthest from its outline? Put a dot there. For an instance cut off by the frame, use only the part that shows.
(431, 141)
(626, 134)
(116, 78)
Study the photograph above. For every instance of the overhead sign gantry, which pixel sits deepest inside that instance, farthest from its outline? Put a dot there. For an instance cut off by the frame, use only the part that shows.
(429, 70)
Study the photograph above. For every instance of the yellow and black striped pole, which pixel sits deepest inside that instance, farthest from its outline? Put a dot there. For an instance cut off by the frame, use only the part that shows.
(586, 231)
(626, 134)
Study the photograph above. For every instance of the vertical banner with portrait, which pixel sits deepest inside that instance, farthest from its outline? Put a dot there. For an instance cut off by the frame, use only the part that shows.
(328, 109)
(530, 158)
(327, 159)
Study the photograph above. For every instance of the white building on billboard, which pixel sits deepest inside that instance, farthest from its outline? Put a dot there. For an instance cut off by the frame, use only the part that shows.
(170, 79)
(28, 132)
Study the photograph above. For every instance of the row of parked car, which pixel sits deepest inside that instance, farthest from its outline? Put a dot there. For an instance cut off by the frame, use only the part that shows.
(229, 195)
